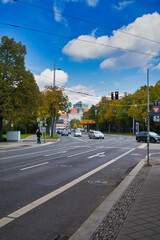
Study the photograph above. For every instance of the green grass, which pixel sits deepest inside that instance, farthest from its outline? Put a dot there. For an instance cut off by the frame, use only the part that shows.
(116, 133)
(49, 137)
(22, 135)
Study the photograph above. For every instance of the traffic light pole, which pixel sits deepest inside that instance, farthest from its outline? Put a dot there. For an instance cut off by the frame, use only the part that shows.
(148, 117)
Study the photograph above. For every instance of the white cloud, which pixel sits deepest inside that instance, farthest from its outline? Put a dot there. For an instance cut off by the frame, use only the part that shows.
(114, 58)
(122, 5)
(157, 67)
(5, 1)
(46, 78)
(92, 3)
(82, 48)
(59, 6)
(74, 94)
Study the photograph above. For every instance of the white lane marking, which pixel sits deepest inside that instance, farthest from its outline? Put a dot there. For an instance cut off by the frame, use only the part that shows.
(5, 220)
(143, 145)
(83, 152)
(79, 139)
(28, 154)
(136, 154)
(33, 166)
(53, 194)
(154, 154)
(54, 153)
(96, 155)
(25, 154)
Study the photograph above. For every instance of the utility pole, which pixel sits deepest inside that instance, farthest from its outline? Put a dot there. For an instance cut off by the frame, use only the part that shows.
(133, 125)
(53, 109)
(148, 117)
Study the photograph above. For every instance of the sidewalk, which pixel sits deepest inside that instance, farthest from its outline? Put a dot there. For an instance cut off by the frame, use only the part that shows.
(28, 142)
(143, 219)
(131, 211)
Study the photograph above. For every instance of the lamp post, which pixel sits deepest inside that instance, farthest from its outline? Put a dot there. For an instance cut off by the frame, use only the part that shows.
(53, 129)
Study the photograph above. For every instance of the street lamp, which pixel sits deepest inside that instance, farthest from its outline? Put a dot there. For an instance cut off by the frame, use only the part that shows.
(53, 129)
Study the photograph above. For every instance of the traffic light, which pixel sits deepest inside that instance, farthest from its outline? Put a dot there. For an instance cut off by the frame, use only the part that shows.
(112, 96)
(116, 95)
(146, 121)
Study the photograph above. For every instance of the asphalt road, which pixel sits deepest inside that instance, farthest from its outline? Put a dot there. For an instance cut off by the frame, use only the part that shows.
(51, 190)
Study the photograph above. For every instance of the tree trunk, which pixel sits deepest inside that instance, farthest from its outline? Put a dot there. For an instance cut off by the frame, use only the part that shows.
(1, 128)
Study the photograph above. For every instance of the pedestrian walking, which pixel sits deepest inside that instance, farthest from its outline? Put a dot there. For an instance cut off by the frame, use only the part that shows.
(39, 134)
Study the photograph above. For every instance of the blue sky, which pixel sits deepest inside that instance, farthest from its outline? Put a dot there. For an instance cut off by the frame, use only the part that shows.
(109, 49)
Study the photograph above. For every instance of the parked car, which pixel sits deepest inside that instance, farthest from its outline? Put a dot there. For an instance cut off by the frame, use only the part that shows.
(96, 134)
(64, 133)
(142, 136)
(77, 133)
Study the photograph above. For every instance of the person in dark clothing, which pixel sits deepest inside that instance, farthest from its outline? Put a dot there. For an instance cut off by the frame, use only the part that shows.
(39, 134)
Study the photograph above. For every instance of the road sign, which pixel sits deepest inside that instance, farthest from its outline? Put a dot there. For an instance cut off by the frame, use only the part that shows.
(155, 103)
(88, 122)
(11, 123)
(154, 114)
(156, 109)
(137, 128)
(156, 118)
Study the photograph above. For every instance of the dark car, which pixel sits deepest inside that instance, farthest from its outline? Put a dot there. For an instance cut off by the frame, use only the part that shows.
(142, 136)
(64, 133)
(59, 131)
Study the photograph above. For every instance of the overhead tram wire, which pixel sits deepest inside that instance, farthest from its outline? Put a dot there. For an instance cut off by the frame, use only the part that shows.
(69, 90)
(90, 95)
(87, 21)
(80, 40)
(129, 95)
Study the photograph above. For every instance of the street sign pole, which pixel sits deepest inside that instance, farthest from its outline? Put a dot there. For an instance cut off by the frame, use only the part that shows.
(148, 117)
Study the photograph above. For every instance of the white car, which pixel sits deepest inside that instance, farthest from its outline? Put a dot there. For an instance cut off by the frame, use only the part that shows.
(96, 134)
(77, 134)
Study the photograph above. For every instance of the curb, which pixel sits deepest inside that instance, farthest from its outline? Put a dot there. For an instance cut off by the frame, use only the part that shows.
(20, 147)
(91, 224)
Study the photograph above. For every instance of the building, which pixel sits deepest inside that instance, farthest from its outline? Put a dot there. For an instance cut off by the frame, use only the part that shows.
(63, 121)
(80, 105)
(77, 111)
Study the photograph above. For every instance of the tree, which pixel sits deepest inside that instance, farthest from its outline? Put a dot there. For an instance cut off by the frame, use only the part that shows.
(11, 70)
(53, 100)
(28, 102)
(75, 122)
(18, 89)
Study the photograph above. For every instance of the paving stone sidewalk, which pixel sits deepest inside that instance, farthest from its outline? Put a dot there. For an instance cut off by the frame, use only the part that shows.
(136, 215)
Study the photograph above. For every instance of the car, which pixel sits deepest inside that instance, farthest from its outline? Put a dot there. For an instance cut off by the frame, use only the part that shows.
(69, 131)
(59, 131)
(90, 131)
(96, 135)
(77, 133)
(64, 133)
(142, 136)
